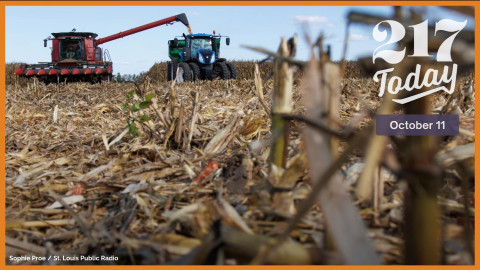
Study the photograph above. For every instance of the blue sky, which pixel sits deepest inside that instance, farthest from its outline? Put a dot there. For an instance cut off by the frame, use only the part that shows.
(26, 27)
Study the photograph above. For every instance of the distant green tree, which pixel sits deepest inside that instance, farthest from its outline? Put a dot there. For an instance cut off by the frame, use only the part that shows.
(128, 77)
(118, 78)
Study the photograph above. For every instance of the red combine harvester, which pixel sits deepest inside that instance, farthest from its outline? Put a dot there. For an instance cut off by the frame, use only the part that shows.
(77, 57)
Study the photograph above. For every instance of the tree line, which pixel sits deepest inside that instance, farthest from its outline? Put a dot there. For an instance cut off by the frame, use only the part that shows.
(127, 77)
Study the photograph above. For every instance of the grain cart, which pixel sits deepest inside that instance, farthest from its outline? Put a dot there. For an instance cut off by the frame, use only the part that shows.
(197, 57)
(77, 57)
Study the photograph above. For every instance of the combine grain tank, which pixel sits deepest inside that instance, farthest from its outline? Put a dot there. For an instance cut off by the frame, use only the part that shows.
(77, 57)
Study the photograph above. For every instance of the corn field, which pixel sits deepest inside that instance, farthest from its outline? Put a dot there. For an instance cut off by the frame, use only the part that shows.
(279, 166)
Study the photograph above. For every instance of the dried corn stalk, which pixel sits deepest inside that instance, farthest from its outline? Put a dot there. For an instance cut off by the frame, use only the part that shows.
(423, 240)
(343, 220)
(222, 138)
(281, 103)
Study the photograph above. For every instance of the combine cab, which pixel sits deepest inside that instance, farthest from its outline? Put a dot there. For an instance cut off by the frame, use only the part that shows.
(77, 57)
(197, 57)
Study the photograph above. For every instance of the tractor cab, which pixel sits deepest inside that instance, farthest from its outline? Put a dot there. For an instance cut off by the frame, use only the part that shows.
(75, 46)
(204, 48)
(201, 48)
(71, 49)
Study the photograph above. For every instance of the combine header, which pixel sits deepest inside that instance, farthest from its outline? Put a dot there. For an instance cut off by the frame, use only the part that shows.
(77, 57)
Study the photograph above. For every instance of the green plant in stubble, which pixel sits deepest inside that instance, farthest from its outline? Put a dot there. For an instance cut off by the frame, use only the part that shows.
(134, 107)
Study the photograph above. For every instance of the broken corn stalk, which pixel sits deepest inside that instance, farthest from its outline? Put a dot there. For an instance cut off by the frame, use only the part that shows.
(282, 103)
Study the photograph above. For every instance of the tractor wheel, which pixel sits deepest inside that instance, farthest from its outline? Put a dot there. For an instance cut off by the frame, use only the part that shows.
(221, 69)
(195, 69)
(233, 70)
(172, 70)
(169, 72)
(184, 73)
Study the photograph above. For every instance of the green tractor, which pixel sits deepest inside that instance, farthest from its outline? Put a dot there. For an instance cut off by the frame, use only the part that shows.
(197, 57)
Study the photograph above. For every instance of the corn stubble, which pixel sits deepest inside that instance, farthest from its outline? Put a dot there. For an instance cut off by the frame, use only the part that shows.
(140, 201)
